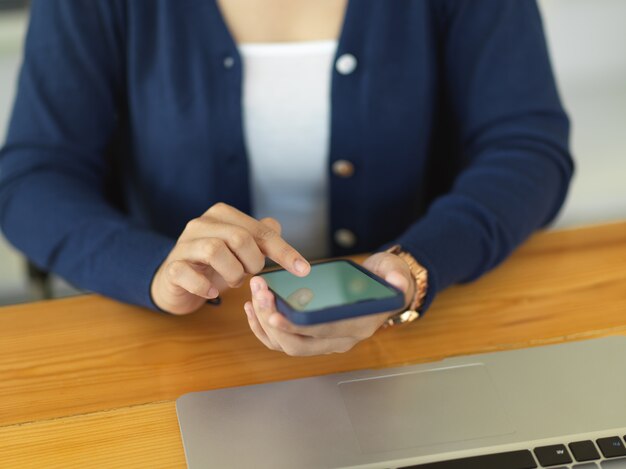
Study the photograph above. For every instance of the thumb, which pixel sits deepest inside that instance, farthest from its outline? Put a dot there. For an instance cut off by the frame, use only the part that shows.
(398, 280)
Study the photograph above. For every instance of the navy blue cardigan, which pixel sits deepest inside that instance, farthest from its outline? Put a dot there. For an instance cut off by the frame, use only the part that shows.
(127, 124)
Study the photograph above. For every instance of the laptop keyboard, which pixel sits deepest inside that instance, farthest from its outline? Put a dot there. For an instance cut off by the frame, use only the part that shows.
(604, 453)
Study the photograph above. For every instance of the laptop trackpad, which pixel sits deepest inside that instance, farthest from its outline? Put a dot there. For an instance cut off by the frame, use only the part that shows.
(424, 408)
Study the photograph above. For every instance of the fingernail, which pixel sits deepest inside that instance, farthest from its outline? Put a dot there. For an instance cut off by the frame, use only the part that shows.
(397, 280)
(300, 266)
(213, 292)
(255, 285)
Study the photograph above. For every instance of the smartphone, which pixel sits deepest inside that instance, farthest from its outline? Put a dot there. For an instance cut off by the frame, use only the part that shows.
(333, 290)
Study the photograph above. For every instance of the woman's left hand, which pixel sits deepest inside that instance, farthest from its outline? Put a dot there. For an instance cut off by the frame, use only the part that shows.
(278, 333)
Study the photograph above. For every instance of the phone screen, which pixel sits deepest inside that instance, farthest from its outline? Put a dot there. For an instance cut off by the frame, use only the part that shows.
(329, 284)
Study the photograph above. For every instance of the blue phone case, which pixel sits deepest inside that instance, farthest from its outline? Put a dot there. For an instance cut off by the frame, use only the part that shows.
(360, 308)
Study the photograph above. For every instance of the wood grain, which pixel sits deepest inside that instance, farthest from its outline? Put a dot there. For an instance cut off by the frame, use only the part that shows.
(140, 436)
(80, 369)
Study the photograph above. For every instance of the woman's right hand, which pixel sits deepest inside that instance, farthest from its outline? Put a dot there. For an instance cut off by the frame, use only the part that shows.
(216, 251)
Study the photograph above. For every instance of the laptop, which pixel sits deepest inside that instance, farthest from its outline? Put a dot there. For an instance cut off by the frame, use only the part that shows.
(552, 406)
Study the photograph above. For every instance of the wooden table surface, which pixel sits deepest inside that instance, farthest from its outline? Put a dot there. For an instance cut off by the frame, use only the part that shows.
(87, 381)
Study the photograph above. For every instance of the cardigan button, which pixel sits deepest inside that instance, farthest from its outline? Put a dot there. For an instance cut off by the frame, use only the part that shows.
(229, 62)
(345, 238)
(343, 168)
(346, 64)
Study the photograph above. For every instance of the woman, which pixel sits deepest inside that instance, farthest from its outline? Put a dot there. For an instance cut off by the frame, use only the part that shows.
(151, 141)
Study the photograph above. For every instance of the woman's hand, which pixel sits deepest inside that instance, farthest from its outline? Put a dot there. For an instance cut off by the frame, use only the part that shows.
(277, 333)
(216, 251)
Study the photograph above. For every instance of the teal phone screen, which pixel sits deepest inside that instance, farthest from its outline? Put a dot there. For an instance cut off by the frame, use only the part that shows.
(328, 285)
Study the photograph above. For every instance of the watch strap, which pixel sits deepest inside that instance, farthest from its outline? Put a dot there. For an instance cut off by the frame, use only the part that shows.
(420, 276)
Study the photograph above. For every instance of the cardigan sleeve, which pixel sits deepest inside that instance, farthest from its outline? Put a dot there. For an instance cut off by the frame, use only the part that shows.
(52, 168)
(513, 135)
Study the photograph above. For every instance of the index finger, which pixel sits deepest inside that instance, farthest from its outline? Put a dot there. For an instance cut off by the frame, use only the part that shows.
(269, 240)
(280, 251)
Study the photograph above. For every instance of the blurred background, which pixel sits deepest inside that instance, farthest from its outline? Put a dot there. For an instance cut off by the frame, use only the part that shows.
(586, 39)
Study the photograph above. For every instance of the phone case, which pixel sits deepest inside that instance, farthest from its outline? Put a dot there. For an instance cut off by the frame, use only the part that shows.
(361, 308)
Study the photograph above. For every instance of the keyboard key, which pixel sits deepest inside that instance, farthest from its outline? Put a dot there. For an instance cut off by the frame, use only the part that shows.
(587, 465)
(511, 460)
(612, 447)
(552, 455)
(614, 464)
(584, 451)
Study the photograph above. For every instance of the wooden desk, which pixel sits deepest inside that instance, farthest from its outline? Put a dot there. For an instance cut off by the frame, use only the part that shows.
(87, 381)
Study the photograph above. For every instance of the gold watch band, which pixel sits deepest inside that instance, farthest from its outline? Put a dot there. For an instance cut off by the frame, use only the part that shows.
(420, 275)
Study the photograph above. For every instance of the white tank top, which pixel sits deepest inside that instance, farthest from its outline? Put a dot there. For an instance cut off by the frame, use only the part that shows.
(286, 114)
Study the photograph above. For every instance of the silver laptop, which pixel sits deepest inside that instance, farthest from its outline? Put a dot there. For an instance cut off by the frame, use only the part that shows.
(551, 406)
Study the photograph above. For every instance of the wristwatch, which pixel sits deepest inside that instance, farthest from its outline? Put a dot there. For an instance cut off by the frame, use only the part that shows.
(420, 275)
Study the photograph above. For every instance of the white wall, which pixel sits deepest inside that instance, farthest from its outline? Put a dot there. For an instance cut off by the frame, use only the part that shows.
(12, 29)
(587, 40)
(13, 286)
